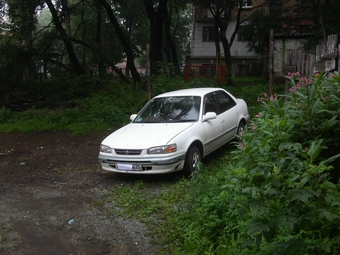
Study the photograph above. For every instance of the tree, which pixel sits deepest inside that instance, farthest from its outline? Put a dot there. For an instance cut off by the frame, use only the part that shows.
(156, 17)
(76, 36)
(170, 45)
(314, 19)
(76, 66)
(18, 24)
(223, 12)
(177, 33)
(123, 39)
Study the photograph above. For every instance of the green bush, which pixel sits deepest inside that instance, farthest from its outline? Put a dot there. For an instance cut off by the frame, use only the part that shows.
(109, 107)
(95, 109)
(58, 89)
(275, 194)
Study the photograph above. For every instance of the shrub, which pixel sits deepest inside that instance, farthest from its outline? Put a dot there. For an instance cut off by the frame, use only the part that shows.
(275, 194)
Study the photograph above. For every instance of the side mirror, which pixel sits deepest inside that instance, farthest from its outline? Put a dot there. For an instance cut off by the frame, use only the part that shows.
(209, 116)
(133, 116)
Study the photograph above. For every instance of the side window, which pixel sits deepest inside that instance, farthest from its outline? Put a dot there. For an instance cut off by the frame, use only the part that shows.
(225, 101)
(210, 104)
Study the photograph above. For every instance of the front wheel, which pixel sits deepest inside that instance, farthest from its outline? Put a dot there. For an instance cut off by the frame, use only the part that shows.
(192, 161)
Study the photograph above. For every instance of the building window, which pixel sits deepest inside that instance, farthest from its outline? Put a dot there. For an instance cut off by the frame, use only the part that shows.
(208, 34)
(241, 34)
(247, 4)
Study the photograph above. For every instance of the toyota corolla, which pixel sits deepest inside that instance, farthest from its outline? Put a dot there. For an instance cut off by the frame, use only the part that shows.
(174, 131)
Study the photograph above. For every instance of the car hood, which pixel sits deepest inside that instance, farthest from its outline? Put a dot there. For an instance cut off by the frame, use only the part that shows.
(143, 136)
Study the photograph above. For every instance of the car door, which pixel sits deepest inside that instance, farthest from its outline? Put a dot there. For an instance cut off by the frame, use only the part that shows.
(229, 115)
(213, 127)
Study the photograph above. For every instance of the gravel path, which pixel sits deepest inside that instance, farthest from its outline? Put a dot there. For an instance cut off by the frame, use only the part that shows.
(53, 199)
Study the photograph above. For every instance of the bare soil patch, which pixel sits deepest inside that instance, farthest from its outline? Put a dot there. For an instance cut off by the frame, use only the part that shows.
(51, 198)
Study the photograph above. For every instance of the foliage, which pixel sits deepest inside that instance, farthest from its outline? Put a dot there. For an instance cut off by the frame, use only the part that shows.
(61, 89)
(80, 106)
(275, 194)
(314, 20)
(162, 83)
(77, 37)
(250, 88)
(330, 11)
(256, 31)
(100, 110)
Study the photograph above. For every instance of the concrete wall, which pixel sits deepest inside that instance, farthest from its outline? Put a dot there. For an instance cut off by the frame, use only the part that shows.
(285, 53)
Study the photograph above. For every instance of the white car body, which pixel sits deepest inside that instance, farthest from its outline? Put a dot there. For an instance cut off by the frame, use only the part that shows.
(127, 150)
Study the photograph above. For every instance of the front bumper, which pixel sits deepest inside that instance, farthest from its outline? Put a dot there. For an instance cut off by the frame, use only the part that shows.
(160, 165)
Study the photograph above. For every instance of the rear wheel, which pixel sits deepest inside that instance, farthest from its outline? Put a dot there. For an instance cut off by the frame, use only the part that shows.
(240, 129)
(192, 161)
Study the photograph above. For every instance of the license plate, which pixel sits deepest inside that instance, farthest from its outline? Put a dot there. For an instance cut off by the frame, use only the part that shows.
(122, 166)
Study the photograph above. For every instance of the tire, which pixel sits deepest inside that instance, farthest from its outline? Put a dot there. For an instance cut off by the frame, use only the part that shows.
(192, 161)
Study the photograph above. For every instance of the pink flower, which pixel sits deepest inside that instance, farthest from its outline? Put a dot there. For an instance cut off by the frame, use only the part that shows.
(241, 146)
(254, 127)
(292, 89)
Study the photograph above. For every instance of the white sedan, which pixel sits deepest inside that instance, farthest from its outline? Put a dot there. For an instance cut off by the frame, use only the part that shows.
(174, 131)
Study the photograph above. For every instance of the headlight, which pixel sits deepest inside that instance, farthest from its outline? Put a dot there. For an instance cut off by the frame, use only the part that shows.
(163, 149)
(105, 148)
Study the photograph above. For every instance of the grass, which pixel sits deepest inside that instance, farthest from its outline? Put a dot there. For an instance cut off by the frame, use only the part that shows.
(157, 204)
(7, 241)
(161, 202)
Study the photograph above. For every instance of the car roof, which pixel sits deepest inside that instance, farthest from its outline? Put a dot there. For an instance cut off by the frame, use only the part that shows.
(190, 92)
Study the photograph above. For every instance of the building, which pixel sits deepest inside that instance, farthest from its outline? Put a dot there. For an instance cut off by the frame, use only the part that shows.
(203, 49)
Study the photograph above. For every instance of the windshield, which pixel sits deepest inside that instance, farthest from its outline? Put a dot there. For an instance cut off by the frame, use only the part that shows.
(170, 109)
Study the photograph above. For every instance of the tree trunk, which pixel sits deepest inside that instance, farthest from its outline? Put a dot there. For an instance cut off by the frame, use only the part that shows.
(171, 44)
(127, 49)
(217, 39)
(67, 18)
(156, 36)
(228, 60)
(76, 66)
(101, 66)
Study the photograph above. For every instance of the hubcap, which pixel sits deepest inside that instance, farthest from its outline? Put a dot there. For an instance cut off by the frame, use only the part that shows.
(195, 161)
(240, 131)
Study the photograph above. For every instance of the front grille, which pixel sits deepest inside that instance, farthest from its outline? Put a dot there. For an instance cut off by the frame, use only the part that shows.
(127, 162)
(127, 152)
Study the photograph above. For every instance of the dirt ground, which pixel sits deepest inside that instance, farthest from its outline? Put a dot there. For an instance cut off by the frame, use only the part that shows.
(50, 186)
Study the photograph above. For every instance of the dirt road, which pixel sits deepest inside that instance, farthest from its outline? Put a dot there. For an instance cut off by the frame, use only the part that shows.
(51, 199)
